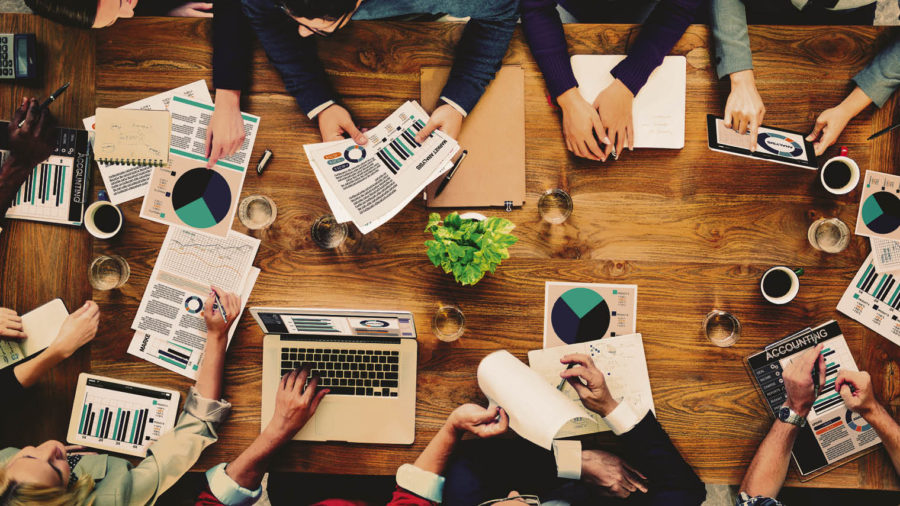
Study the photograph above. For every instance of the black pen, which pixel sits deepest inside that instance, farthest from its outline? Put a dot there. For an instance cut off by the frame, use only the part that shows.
(562, 384)
(451, 173)
(884, 131)
(53, 96)
(815, 378)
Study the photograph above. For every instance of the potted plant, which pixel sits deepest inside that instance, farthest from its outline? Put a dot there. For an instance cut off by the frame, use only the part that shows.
(468, 246)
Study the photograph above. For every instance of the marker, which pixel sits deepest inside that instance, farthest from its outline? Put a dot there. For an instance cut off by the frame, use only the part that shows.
(263, 161)
(53, 96)
(562, 384)
(221, 307)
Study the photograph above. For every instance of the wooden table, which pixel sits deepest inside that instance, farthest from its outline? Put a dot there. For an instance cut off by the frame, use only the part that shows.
(694, 229)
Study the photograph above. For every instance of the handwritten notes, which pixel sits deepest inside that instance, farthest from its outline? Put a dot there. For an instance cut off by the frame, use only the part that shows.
(132, 136)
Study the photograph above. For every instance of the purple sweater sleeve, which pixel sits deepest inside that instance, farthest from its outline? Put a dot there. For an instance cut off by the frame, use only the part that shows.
(544, 32)
(658, 36)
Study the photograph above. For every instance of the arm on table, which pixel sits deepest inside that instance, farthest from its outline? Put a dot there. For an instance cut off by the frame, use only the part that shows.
(28, 146)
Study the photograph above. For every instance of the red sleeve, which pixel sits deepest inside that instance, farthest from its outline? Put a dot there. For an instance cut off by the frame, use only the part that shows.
(403, 498)
(205, 498)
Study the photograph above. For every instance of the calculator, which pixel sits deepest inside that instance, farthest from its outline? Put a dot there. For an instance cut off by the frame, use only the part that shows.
(18, 56)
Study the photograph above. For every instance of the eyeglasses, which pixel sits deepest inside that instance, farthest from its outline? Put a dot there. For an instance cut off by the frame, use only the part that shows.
(530, 500)
(321, 32)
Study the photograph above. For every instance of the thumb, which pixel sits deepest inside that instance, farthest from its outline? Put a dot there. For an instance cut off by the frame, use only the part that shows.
(423, 134)
(846, 394)
(817, 129)
(354, 132)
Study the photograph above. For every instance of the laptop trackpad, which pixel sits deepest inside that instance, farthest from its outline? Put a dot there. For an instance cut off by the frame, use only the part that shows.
(337, 422)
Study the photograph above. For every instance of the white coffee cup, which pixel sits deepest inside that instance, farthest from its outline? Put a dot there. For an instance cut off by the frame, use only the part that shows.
(854, 174)
(793, 277)
(90, 219)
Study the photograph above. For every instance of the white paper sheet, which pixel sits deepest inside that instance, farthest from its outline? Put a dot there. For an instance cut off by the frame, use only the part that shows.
(128, 182)
(41, 325)
(622, 361)
(536, 410)
(886, 254)
(190, 119)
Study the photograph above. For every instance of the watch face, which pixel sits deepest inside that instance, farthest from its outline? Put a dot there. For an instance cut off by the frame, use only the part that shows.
(783, 413)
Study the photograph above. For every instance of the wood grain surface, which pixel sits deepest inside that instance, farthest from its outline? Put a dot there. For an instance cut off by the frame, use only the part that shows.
(693, 228)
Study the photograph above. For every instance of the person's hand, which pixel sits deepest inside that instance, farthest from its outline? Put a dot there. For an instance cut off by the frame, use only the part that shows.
(744, 108)
(216, 327)
(798, 380)
(593, 392)
(611, 474)
(582, 126)
(32, 143)
(193, 10)
(10, 324)
(479, 421)
(828, 128)
(856, 390)
(295, 403)
(78, 329)
(335, 121)
(225, 132)
(446, 119)
(614, 105)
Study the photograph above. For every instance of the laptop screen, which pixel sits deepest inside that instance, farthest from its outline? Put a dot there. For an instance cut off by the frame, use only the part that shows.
(344, 324)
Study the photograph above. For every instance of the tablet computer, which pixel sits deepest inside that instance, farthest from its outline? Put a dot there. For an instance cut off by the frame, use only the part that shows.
(774, 145)
(120, 416)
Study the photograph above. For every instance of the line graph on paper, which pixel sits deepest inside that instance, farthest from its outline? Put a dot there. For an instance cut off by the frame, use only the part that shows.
(220, 262)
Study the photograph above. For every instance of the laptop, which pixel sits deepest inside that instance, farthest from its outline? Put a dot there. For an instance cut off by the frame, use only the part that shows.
(366, 358)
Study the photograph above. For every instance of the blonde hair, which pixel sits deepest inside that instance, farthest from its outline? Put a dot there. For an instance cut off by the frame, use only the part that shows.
(21, 494)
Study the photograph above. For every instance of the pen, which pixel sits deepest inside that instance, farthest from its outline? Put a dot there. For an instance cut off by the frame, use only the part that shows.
(221, 307)
(562, 384)
(53, 96)
(451, 173)
(815, 378)
(884, 131)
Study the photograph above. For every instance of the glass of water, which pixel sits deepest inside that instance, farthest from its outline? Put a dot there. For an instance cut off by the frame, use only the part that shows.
(555, 206)
(108, 272)
(328, 233)
(257, 212)
(830, 235)
(721, 328)
(448, 323)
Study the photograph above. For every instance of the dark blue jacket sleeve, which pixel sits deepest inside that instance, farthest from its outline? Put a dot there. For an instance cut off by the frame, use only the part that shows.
(672, 481)
(294, 56)
(232, 46)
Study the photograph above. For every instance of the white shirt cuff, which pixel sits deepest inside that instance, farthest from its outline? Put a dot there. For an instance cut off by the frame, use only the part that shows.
(622, 419)
(455, 106)
(227, 491)
(315, 112)
(420, 482)
(567, 453)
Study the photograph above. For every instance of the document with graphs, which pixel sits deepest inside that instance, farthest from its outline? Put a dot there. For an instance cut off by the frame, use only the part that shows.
(171, 331)
(370, 184)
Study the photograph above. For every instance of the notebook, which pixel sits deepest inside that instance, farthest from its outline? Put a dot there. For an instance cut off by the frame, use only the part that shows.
(41, 325)
(658, 109)
(128, 136)
(493, 173)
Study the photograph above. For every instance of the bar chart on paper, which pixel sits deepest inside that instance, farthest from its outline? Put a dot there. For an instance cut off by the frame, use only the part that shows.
(123, 417)
(873, 299)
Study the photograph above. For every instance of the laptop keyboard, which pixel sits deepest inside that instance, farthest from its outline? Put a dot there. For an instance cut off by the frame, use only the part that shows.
(372, 373)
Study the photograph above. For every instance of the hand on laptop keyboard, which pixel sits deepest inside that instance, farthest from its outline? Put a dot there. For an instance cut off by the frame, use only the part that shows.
(373, 373)
(295, 403)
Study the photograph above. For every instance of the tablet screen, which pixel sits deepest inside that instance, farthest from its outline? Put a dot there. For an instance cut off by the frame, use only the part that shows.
(778, 143)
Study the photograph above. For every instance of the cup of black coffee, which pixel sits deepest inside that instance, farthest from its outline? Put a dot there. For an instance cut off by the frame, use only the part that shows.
(102, 219)
(780, 284)
(839, 175)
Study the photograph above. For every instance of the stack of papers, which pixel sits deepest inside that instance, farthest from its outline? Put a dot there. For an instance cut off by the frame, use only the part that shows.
(370, 184)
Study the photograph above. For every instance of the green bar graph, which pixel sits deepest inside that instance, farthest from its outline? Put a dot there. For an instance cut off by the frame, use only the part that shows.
(100, 421)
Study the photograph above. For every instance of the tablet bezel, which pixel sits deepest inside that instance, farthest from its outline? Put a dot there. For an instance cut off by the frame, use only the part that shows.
(713, 142)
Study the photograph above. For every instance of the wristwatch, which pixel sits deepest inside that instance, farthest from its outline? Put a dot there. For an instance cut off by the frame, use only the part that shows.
(787, 415)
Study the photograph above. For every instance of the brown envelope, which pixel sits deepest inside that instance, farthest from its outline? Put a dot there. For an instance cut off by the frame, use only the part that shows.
(493, 173)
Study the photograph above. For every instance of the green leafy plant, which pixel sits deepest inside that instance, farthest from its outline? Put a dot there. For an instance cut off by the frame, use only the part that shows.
(468, 248)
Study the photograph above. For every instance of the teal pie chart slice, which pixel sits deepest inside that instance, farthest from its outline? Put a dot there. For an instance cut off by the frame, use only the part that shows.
(580, 315)
(881, 212)
(201, 198)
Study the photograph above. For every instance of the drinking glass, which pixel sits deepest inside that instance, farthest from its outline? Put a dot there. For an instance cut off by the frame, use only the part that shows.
(830, 235)
(108, 272)
(328, 233)
(448, 323)
(555, 206)
(721, 328)
(257, 212)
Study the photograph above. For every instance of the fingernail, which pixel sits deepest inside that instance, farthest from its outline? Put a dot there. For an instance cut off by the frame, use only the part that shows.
(606, 140)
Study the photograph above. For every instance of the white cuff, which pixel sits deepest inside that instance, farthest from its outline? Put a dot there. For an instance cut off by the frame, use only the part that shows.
(622, 419)
(227, 491)
(315, 112)
(420, 482)
(455, 106)
(567, 453)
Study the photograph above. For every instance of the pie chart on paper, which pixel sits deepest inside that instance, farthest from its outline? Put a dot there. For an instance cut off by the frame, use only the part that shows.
(201, 198)
(881, 212)
(580, 315)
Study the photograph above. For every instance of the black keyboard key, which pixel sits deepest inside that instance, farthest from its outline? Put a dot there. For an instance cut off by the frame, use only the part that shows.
(369, 352)
(329, 366)
(376, 383)
(369, 391)
(366, 359)
(343, 382)
(356, 374)
(354, 367)
(368, 383)
(395, 368)
(382, 359)
(377, 367)
(390, 375)
(360, 391)
(377, 393)
(380, 375)
(378, 352)
(389, 383)
(370, 367)
(393, 394)
(393, 360)
(285, 355)
(385, 391)
(342, 391)
(395, 353)
(286, 365)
